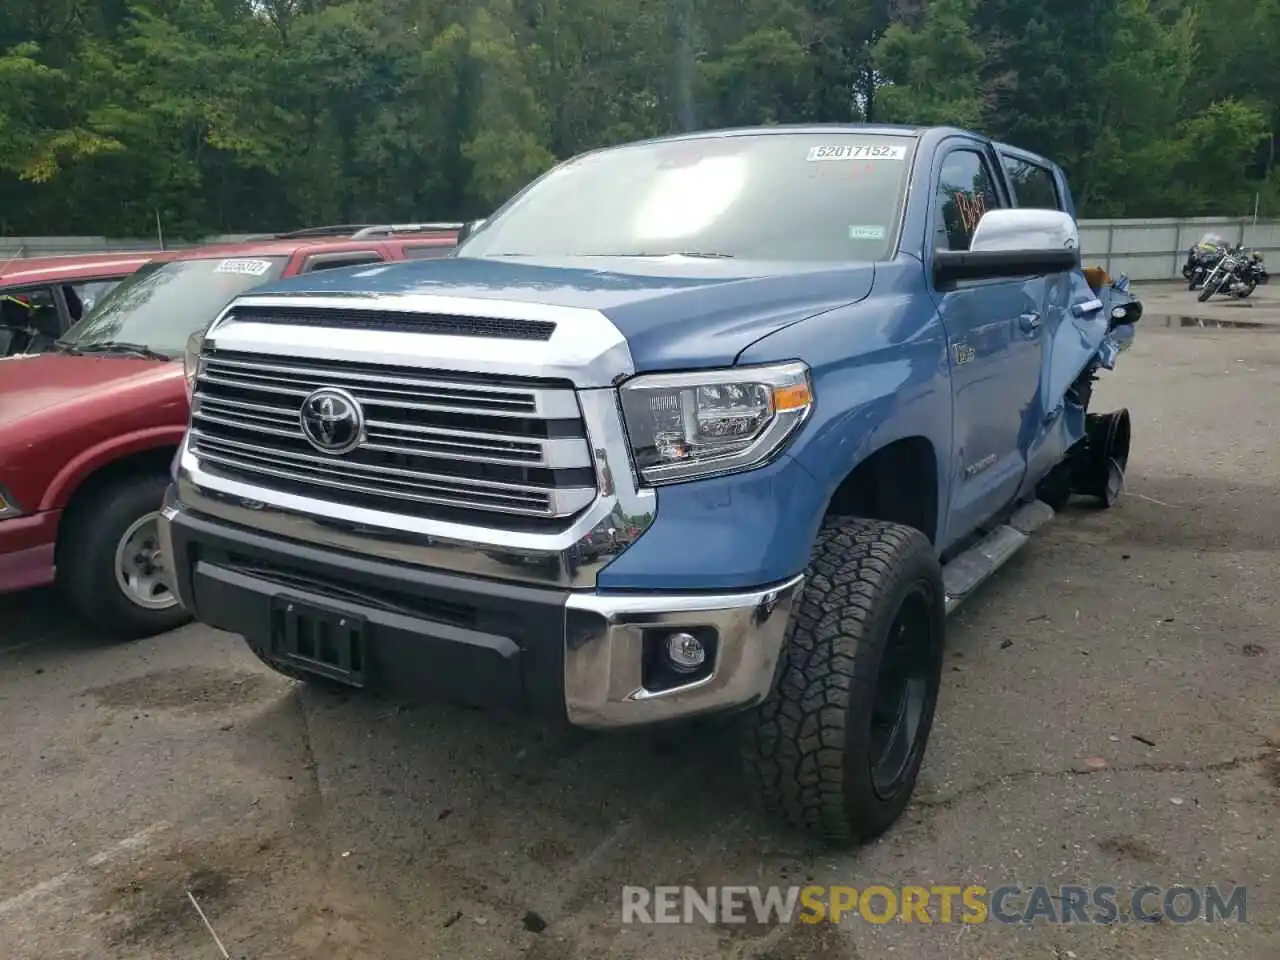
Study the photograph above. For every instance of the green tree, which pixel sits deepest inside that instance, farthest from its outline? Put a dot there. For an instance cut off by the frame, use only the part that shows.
(221, 115)
(930, 71)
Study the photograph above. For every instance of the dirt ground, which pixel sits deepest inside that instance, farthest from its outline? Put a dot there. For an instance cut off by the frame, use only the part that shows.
(1110, 715)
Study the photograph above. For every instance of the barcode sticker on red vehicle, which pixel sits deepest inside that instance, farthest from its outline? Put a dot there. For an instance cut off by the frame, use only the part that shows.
(249, 268)
(858, 151)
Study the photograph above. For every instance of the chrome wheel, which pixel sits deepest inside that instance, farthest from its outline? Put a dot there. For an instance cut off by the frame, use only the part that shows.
(141, 567)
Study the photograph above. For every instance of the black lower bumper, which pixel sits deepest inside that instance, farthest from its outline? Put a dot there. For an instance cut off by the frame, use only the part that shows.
(421, 634)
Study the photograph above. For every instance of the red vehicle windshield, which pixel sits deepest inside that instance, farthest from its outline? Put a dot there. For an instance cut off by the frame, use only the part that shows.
(162, 304)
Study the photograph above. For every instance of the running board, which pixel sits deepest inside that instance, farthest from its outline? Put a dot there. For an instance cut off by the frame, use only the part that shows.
(968, 571)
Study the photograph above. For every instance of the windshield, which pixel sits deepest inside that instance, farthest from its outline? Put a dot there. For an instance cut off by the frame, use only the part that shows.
(162, 304)
(781, 197)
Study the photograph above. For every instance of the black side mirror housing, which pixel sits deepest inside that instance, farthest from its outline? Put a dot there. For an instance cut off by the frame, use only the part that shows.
(950, 266)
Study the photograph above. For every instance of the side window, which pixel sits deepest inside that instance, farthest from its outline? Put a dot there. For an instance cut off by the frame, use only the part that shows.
(30, 307)
(427, 251)
(334, 261)
(82, 296)
(1033, 185)
(966, 190)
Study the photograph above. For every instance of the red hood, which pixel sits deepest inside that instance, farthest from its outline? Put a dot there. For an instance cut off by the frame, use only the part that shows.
(29, 384)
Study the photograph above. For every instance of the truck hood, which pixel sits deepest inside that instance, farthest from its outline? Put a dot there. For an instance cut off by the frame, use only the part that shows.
(674, 311)
(31, 384)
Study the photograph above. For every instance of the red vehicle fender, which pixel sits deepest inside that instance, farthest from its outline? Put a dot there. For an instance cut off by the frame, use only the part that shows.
(83, 466)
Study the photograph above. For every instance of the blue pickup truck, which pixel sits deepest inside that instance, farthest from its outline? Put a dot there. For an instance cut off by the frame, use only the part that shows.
(718, 423)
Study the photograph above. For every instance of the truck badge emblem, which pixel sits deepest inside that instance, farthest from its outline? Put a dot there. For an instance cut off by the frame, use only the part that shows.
(332, 420)
(963, 353)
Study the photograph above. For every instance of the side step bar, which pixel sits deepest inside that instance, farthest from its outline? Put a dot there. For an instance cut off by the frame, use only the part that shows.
(969, 570)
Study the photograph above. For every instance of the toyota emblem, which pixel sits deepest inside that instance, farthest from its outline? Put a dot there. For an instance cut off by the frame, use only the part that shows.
(332, 420)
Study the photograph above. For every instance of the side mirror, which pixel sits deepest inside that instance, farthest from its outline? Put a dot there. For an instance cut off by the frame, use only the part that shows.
(468, 229)
(1013, 243)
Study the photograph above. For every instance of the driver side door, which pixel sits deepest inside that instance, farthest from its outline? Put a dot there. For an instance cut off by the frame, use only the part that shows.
(995, 340)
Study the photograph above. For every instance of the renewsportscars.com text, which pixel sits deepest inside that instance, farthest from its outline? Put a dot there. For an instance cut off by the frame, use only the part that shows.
(934, 904)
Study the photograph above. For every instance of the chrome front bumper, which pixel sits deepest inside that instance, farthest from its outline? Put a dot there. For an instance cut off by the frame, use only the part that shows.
(598, 638)
(604, 649)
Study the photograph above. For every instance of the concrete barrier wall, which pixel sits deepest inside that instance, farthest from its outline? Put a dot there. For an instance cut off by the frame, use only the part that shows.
(1144, 249)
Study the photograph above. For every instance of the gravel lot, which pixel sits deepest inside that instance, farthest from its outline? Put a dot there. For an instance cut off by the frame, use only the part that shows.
(313, 827)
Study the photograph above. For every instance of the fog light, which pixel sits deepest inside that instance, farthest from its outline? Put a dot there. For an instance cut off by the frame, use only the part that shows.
(685, 652)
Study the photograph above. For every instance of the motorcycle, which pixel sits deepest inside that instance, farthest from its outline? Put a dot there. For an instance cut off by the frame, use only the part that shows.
(1237, 273)
(1202, 257)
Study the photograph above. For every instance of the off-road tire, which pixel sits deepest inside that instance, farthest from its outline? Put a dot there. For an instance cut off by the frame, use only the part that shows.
(807, 748)
(86, 560)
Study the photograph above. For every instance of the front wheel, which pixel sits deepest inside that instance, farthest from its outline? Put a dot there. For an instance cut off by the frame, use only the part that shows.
(837, 747)
(110, 564)
(1209, 289)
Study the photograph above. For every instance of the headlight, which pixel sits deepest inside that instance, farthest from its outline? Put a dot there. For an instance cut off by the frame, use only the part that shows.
(191, 360)
(687, 425)
(8, 508)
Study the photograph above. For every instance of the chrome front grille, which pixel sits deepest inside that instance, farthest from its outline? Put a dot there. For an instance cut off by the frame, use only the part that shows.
(434, 444)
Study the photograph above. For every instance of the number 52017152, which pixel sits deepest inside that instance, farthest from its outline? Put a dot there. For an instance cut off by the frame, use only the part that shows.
(858, 151)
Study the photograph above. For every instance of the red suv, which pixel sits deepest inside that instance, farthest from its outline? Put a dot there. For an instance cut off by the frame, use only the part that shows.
(87, 431)
(42, 297)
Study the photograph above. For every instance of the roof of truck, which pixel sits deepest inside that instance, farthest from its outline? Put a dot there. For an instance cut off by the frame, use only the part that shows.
(815, 129)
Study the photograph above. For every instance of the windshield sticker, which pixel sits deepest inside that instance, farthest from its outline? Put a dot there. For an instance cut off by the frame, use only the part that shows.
(248, 268)
(858, 151)
(866, 232)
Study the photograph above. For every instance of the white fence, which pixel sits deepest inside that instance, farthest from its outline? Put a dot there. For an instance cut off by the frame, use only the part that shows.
(1156, 249)
(1143, 249)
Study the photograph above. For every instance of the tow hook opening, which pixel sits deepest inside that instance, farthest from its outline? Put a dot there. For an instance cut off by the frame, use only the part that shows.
(1104, 456)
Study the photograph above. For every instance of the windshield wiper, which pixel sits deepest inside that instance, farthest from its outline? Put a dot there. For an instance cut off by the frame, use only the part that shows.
(115, 346)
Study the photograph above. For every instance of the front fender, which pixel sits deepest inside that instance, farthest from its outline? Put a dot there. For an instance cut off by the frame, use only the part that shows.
(728, 533)
(84, 465)
(881, 374)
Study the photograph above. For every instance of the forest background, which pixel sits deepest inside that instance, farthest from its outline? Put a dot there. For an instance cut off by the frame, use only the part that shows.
(243, 115)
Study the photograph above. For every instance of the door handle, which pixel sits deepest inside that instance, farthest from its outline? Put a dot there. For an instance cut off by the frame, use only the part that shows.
(1029, 322)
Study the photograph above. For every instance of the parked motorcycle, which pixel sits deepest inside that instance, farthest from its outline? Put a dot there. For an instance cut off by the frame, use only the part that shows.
(1202, 257)
(1237, 273)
